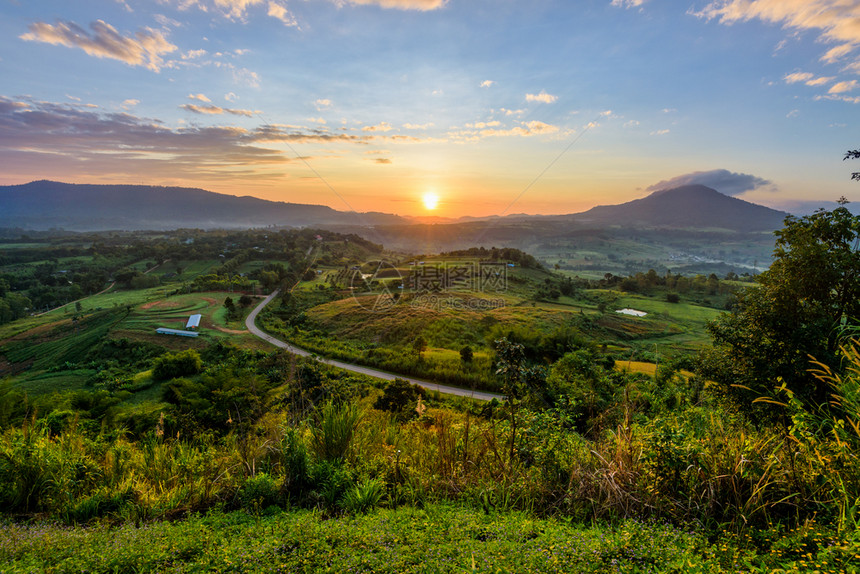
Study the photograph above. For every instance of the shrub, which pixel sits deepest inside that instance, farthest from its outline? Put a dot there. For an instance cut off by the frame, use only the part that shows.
(181, 364)
(363, 497)
(259, 492)
(400, 397)
(333, 429)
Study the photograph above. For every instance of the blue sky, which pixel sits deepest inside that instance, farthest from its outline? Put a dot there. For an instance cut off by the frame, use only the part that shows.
(493, 106)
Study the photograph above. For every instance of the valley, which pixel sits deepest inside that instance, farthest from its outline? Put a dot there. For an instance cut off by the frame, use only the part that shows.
(562, 387)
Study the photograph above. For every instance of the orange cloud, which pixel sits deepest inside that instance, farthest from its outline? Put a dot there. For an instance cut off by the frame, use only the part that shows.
(281, 13)
(842, 87)
(380, 127)
(145, 49)
(215, 110)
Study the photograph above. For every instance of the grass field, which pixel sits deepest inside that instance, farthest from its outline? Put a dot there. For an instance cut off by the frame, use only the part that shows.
(435, 539)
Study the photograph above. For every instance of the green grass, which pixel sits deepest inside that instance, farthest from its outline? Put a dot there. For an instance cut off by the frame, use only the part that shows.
(57, 382)
(435, 539)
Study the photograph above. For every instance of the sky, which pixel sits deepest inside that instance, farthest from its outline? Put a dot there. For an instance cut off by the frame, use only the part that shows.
(436, 107)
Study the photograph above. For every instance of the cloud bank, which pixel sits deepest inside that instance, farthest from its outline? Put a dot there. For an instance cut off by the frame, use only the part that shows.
(723, 180)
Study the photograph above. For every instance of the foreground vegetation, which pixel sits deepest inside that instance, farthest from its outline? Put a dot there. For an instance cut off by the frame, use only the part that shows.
(436, 538)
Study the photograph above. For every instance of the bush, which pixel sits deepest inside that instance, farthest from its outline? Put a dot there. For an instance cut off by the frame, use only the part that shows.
(172, 365)
(400, 397)
(333, 429)
(259, 492)
(363, 497)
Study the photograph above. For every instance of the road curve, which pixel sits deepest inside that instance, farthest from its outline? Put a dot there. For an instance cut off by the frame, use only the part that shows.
(251, 324)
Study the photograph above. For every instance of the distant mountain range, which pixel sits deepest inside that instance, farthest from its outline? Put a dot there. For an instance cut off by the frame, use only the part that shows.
(46, 204)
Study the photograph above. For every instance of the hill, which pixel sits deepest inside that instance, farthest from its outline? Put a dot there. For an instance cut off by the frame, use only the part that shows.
(47, 204)
(689, 206)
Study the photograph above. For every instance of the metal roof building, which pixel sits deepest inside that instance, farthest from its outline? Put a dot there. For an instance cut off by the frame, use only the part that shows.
(193, 321)
(166, 331)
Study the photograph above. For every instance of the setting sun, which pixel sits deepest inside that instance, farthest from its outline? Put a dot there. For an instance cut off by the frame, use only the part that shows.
(431, 200)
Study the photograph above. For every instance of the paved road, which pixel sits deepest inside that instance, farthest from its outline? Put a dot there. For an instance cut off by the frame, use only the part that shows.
(250, 323)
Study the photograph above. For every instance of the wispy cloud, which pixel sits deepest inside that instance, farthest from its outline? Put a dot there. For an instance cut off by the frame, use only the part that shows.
(322, 104)
(380, 127)
(542, 97)
(145, 49)
(836, 98)
(627, 3)
(422, 5)
(807, 78)
(280, 12)
(659, 132)
(842, 87)
(836, 21)
(216, 110)
(487, 83)
(494, 129)
(836, 53)
(723, 180)
(482, 125)
(193, 54)
(418, 126)
(199, 97)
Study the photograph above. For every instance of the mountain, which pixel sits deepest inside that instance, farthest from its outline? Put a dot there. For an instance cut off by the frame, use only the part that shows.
(47, 204)
(686, 207)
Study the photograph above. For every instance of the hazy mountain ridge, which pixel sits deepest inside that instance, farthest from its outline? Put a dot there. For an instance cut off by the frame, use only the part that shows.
(46, 204)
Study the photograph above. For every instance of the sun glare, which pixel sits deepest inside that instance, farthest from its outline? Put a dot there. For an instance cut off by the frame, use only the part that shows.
(431, 200)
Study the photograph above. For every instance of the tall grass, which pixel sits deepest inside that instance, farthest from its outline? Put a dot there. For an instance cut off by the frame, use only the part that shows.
(704, 465)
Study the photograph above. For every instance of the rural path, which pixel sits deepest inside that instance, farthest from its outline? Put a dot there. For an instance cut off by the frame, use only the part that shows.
(250, 323)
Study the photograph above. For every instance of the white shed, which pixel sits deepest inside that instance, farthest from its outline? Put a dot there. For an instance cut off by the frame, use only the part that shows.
(193, 321)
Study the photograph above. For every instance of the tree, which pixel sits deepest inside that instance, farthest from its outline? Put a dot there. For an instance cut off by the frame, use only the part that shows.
(794, 313)
(419, 345)
(466, 355)
(520, 381)
(853, 154)
(401, 398)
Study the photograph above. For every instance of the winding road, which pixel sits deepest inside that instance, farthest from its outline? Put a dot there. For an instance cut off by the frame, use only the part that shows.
(250, 323)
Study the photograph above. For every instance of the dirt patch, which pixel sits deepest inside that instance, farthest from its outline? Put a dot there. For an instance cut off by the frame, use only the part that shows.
(226, 330)
(160, 305)
(209, 300)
